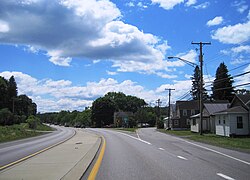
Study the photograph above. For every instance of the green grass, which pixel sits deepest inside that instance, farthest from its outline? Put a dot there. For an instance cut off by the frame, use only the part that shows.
(20, 131)
(239, 143)
(126, 129)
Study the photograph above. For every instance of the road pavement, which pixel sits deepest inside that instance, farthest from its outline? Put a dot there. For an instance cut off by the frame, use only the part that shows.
(13, 151)
(153, 155)
(68, 160)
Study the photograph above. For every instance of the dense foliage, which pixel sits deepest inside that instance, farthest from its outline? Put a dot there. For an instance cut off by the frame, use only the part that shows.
(66, 118)
(14, 109)
(103, 108)
(223, 84)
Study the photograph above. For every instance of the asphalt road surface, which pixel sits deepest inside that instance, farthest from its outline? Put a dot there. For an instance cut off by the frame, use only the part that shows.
(153, 155)
(15, 150)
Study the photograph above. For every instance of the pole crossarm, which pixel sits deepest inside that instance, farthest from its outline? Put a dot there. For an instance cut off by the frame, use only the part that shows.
(184, 60)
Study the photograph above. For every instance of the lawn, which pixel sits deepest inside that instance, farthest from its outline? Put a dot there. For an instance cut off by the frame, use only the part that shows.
(239, 143)
(20, 131)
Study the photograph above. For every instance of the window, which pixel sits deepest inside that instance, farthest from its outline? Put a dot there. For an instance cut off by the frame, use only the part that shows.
(224, 121)
(194, 122)
(192, 112)
(176, 122)
(188, 122)
(219, 121)
(184, 112)
(239, 122)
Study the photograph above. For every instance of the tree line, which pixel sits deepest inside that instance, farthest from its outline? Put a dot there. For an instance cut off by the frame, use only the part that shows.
(14, 108)
(101, 113)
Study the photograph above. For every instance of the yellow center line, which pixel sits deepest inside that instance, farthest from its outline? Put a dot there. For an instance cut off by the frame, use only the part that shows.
(97, 165)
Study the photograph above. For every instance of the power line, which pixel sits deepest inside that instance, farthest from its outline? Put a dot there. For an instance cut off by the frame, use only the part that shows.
(230, 87)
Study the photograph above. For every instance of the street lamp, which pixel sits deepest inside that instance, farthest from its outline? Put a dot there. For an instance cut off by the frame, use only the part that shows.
(184, 60)
(201, 85)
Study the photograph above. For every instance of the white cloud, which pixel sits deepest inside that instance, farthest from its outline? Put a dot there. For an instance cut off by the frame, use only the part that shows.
(216, 21)
(202, 6)
(4, 27)
(235, 34)
(241, 48)
(241, 6)
(167, 4)
(191, 2)
(130, 4)
(111, 73)
(51, 95)
(88, 29)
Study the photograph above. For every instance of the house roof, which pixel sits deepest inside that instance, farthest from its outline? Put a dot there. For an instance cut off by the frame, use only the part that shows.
(236, 109)
(194, 104)
(244, 98)
(213, 108)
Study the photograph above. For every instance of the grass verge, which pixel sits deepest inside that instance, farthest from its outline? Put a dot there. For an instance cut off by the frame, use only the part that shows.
(238, 143)
(20, 131)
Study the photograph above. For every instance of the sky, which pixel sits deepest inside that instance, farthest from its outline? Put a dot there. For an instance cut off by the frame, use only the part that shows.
(66, 53)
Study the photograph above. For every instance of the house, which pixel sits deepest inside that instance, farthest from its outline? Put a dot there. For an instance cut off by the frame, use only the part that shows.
(236, 119)
(208, 120)
(181, 116)
(121, 119)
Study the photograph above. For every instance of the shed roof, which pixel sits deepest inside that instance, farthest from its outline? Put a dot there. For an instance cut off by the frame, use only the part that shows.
(194, 104)
(212, 108)
(245, 98)
(236, 109)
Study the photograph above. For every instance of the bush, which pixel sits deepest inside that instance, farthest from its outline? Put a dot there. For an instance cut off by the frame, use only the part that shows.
(33, 122)
(6, 117)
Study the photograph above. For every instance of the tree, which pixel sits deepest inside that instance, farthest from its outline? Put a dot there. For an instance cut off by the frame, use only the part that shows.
(12, 93)
(3, 93)
(223, 84)
(195, 92)
(103, 111)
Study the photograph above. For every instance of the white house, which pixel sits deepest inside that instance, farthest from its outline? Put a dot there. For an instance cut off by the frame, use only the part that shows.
(208, 123)
(236, 119)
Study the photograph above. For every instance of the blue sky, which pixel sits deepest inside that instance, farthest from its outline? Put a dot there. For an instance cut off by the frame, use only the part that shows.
(66, 53)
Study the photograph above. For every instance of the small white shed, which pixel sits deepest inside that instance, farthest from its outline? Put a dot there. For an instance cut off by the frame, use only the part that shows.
(233, 121)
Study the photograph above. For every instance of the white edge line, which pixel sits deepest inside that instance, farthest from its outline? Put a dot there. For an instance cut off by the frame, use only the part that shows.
(182, 157)
(245, 162)
(161, 149)
(225, 176)
(135, 138)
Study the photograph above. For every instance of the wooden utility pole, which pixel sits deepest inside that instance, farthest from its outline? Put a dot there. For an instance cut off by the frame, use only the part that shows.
(159, 112)
(201, 81)
(169, 109)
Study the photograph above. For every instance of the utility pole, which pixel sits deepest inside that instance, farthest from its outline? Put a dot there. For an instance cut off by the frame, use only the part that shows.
(201, 80)
(158, 113)
(169, 95)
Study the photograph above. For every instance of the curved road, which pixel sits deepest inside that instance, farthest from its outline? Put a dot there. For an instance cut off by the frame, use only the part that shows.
(154, 155)
(15, 150)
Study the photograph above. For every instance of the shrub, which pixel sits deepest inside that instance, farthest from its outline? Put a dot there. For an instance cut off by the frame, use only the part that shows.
(33, 122)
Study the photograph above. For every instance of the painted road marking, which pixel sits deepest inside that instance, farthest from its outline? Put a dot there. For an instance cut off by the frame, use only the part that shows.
(161, 149)
(138, 134)
(97, 165)
(203, 147)
(225, 176)
(146, 142)
(182, 157)
(36, 153)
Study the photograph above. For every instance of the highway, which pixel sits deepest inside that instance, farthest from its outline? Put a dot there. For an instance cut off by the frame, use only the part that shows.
(16, 150)
(153, 155)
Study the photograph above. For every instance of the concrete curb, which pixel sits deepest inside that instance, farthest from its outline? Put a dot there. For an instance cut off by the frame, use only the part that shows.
(80, 168)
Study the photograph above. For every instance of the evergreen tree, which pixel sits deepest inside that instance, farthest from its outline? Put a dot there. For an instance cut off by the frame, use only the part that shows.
(12, 93)
(223, 84)
(195, 92)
